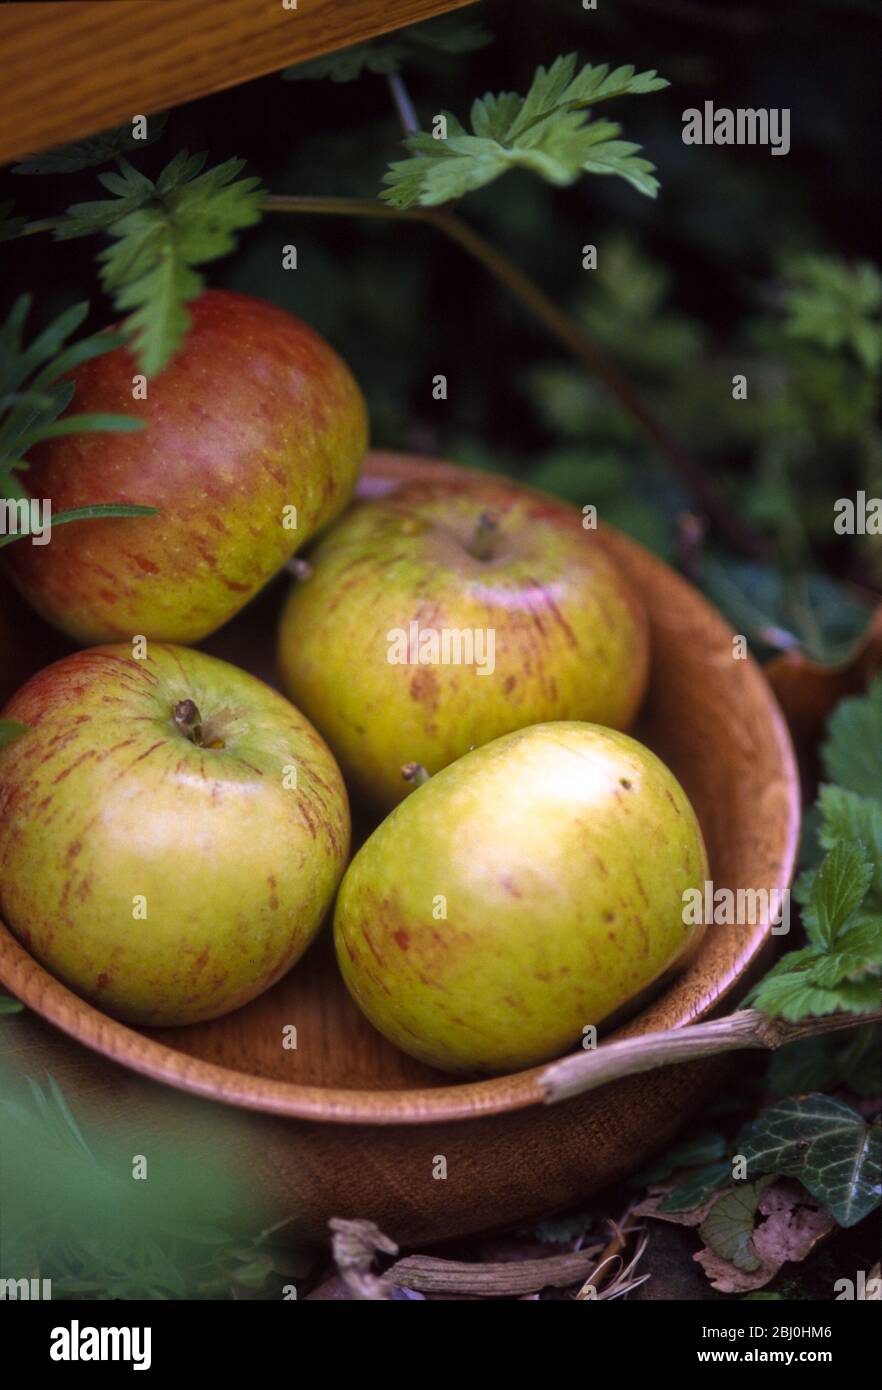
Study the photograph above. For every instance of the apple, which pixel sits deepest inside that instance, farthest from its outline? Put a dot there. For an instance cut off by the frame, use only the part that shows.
(255, 414)
(447, 614)
(531, 889)
(172, 831)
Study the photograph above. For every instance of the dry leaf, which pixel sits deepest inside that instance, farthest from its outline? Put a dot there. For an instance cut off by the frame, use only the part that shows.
(794, 1223)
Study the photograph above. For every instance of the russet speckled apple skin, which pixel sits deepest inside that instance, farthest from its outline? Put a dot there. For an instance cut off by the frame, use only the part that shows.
(570, 638)
(165, 882)
(527, 891)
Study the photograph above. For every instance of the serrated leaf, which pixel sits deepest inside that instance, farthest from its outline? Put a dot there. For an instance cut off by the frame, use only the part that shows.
(792, 996)
(385, 56)
(838, 889)
(188, 217)
(836, 305)
(548, 131)
(93, 151)
(844, 815)
(852, 753)
(825, 1145)
(857, 953)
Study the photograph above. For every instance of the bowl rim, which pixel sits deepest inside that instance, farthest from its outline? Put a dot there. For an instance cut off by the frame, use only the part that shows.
(140, 1052)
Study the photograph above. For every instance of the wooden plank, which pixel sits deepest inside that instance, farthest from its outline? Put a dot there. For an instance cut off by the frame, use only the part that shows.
(70, 69)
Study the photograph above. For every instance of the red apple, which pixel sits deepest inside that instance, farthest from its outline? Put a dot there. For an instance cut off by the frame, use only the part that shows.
(255, 414)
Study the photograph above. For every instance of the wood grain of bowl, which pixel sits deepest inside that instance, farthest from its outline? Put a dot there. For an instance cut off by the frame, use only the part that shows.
(345, 1124)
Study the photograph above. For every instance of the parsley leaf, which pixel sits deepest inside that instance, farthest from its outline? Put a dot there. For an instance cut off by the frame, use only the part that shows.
(97, 149)
(835, 304)
(385, 56)
(161, 230)
(548, 131)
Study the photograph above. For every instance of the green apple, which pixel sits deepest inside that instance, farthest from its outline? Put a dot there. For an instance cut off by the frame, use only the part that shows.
(446, 614)
(172, 831)
(255, 434)
(529, 890)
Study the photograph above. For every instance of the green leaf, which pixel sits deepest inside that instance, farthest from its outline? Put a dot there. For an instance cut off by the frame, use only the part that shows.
(844, 815)
(701, 1148)
(838, 889)
(387, 55)
(9, 1005)
(548, 131)
(97, 149)
(188, 217)
(835, 305)
(96, 512)
(728, 1227)
(825, 1145)
(793, 996)
(10, 226)
(852, 754)
(10, 730)
(697, 1187)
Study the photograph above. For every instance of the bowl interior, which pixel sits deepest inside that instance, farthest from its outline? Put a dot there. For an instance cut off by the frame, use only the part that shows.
(710, 716)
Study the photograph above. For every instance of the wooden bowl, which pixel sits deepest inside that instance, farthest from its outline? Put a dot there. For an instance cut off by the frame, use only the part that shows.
(345, 1124)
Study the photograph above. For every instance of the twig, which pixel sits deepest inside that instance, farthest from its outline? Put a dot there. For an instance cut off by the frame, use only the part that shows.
(568, 333)
(747, 1029)
(506, 1279)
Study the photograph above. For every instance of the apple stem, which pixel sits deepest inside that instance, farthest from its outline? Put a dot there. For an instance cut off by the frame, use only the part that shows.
(483, 542)
(415, 773)
(189, 720)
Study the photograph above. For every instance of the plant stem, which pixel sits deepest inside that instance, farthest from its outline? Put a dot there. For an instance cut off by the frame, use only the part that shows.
(403, 105)
(568, 333)
(747, 1029)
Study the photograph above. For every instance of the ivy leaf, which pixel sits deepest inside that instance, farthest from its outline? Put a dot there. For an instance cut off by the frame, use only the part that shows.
(697, 1187)
(10, 730)
(835, 304)
(548, 131)
(97, 149)
(728, 1227)
(852, 754)
(161, 230)
(825, 1145)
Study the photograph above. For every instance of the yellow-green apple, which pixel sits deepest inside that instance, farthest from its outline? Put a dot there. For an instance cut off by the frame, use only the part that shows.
(172, 831)
(448, 613)
(528, 891)
(254, 436)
